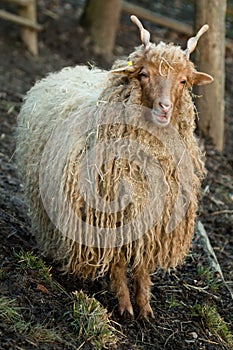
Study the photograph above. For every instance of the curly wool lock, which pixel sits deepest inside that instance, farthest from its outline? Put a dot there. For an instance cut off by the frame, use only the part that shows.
(94, 107)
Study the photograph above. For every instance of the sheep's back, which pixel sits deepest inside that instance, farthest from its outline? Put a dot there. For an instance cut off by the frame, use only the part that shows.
(51, 101)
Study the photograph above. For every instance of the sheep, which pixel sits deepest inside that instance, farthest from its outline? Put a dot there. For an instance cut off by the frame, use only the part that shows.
(112, 168)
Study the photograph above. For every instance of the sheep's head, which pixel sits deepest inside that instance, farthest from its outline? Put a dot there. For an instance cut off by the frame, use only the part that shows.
(163, 71)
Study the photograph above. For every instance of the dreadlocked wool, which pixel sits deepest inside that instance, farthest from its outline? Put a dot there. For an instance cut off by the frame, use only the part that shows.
(103, 182)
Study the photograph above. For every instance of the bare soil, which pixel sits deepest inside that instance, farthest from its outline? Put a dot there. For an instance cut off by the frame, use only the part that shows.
(175, 295)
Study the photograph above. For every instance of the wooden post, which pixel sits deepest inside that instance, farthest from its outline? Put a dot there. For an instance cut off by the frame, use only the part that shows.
(101, 17)
(28, 35)
(210, 58)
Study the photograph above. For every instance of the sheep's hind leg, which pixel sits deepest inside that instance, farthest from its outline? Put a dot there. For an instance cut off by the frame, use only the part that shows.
(119, 286)
(142, 294)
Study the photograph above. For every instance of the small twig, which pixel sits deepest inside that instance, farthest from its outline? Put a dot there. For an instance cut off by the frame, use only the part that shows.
(80, 347)
(170, 336)
(216, 201)
(163, 60)
(200, 289)
(226, 211)
(208, 341)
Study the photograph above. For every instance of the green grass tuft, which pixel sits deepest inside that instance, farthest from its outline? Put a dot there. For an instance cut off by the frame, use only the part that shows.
(10, 313)
(91, 322)
(211, 279)
(29, 260)
(214, 322)
(172, 303)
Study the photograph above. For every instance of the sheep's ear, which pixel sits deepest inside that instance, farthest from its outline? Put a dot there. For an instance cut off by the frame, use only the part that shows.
(123, 70)
(202, 78)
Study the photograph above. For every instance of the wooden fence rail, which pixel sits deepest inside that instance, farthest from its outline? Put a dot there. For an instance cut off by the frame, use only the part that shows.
(26, 18)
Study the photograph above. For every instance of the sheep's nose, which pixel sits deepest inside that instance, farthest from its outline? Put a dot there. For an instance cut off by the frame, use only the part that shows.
(165, 106)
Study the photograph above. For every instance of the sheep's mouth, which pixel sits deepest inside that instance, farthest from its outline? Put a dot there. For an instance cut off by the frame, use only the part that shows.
(162, 119)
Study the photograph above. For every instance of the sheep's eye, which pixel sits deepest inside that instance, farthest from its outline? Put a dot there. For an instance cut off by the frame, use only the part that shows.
(143, 75)
(183, 82)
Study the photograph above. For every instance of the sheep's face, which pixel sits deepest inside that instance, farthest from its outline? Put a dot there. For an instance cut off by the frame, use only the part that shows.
(163, 82)
(161, 89)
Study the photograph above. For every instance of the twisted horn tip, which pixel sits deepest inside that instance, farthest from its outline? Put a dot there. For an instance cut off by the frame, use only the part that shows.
(205, 27)
(134, 19)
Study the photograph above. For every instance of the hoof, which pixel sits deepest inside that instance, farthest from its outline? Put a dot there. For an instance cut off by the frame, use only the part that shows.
(146, 312)
(126, 310)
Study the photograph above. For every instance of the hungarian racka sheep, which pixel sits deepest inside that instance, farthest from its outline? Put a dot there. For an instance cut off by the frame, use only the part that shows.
(112, 168)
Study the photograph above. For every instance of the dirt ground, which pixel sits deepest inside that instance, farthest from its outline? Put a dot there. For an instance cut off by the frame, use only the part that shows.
(176, 297)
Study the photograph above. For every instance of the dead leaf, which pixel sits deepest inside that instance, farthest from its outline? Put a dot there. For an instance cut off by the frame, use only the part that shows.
(42, 288)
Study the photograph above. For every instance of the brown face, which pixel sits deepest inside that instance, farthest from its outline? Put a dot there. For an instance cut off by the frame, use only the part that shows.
(161, 90)
(164, 72)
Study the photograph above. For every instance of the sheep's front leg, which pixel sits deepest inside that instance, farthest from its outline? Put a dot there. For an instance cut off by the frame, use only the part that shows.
(119, 286)
(142, 293)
